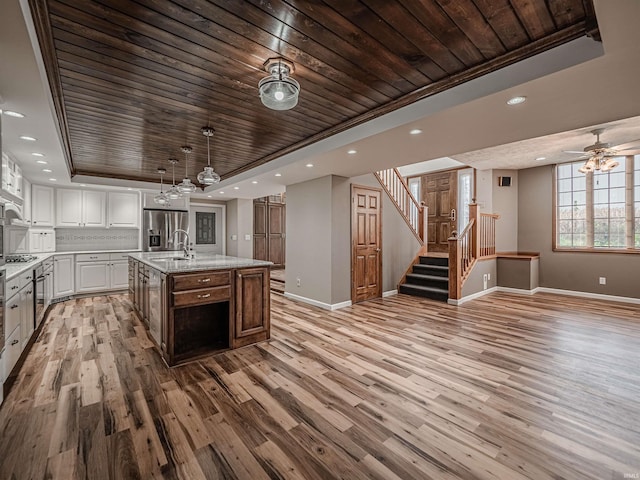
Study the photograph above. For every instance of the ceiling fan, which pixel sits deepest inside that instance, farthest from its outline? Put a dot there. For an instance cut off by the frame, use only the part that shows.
(601, 154)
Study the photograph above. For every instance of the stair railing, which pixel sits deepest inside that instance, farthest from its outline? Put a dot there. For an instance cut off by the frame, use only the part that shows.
(477, 240)
(413, 212)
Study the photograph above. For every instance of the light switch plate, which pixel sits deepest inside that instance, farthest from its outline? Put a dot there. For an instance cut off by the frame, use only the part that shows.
(234, 237)
(247, 236)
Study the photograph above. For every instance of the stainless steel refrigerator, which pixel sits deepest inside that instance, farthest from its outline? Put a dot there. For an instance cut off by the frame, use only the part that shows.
(159, 226)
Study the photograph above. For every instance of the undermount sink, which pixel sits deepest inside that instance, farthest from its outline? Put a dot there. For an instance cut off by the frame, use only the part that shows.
(168, 259)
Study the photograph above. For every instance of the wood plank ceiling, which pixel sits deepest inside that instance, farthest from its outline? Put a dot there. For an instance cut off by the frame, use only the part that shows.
(134, 80)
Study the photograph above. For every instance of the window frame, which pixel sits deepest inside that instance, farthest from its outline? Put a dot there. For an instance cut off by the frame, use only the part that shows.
(630, 204)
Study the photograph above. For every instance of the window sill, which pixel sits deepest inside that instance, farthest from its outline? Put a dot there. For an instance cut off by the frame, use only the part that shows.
(633, 251)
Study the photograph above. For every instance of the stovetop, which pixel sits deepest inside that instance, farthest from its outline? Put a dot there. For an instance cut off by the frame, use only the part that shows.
(22, 258)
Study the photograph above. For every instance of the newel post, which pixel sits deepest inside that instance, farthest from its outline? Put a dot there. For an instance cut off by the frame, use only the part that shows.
(455, 259)
(424, 221)
(474, 214)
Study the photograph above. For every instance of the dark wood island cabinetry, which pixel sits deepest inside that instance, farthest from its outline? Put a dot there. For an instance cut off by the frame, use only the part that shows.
(197, 307)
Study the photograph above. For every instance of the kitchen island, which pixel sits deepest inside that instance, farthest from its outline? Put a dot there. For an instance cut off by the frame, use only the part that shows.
(201, 305)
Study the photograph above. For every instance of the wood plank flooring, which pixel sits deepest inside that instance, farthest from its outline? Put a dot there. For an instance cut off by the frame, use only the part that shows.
(503, 387)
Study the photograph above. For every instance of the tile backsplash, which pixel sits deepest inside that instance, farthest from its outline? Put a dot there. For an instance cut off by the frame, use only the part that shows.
(91, 239)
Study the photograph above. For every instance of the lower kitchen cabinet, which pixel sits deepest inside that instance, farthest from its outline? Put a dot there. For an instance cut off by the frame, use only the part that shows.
(119, 274)
(198, 313)
(92, 276)
(252, 318)
(63, 276)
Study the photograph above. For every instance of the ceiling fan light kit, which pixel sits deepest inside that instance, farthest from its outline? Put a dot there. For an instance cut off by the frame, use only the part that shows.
(601, 155)
(279, 91)
(208, 176)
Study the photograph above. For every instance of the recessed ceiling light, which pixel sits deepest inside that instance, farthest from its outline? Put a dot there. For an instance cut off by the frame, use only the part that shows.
(13, 114)
(28, 138)
(516, 100)
(129, 188)
(278, 175)
(352, 152)
(36, 154)
(254, 182)
(309, 165)
(53, 180)
(541, 158)
(42, 162)
(46, 170)
(221, 193)
(415, 131)
(236, 188)
(208, 196)
(82, 184)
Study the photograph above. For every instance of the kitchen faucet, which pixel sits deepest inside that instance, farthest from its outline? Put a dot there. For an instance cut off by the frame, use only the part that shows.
(185, 243)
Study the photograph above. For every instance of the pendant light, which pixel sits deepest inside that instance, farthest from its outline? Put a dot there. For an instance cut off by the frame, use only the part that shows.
(173, 193)
(279, 91)
(207, 176)
(186, 187)
(161, 198)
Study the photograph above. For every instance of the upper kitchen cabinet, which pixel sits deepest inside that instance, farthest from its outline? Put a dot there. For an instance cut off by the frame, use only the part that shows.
(41, 206)
(11, 178)
(123, 210)
(80, 208)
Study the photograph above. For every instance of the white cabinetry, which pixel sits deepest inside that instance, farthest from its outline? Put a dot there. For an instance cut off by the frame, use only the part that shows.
(11, 177)
(119, 271)
(41, 206)
(80, 208)
(26, 204)
(18, 240)
(123, 210)
(63, 273)
(19, 321)
(92, 272)
(42, 240)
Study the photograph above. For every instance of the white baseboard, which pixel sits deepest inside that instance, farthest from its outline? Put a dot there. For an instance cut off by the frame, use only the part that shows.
(389, 293)
(557, 291)
(599, 296)
(316, 303)
(473, 296)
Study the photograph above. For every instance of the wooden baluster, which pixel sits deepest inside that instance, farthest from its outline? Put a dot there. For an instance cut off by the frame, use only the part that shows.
(455, 254)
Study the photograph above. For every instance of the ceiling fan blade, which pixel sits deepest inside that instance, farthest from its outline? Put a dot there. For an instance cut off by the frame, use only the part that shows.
(584, 154)
(628, 145)
(628, 152)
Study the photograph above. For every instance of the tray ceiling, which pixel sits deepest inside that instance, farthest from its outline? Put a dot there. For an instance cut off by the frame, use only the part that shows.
(134, 81)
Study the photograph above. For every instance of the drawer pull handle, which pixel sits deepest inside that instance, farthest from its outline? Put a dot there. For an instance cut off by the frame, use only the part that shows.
(204, 280)
(14, 342)
(14, 287)
(14, 306)
(206, 295)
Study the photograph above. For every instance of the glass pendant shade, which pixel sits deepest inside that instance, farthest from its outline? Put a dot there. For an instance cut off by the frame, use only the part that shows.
(186, 187)
(161, 198)
(279, 91)
(208, 176)
(173, 193)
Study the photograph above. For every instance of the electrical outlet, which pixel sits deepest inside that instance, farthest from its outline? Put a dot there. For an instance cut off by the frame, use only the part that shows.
(484, 281)
(603, 280)
(247, 237)
(298, 282)
(234, 237)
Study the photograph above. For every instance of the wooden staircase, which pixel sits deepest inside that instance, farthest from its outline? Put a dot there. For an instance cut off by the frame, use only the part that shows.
(429, 278)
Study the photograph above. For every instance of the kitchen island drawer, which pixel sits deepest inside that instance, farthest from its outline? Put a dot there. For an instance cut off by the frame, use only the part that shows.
(201, 296)
(201, 280)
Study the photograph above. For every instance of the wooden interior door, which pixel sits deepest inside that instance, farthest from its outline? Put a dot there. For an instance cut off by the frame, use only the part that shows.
(260, 251)
(440, 193)
(366, 243)
(276, 233)
(269, 229)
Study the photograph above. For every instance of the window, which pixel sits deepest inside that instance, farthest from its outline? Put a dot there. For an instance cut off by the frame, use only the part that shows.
(595, 210)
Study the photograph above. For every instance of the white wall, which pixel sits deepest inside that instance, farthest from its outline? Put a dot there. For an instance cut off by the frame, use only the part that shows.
(240, 224)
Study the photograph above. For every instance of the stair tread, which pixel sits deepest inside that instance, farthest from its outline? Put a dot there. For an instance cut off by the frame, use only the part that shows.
(427, 277)
(435, 267)
(425, 289)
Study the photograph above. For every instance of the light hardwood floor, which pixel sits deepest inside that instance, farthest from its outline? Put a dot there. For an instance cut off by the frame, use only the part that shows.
(503, 387)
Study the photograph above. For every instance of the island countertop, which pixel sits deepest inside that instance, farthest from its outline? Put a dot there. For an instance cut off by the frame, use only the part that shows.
(174, 262)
